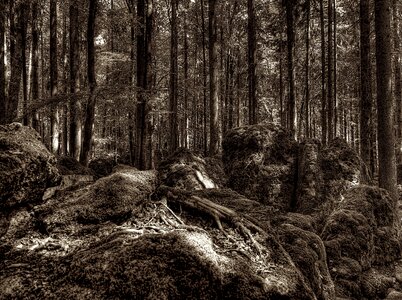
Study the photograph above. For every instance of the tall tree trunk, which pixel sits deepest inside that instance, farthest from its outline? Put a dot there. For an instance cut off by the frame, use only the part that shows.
(75, 104)
(386, 139)
(16, 31)
(204, 80)
(330, 73)
(251, 57)
(54, 117)
(3, 99)
(90, 108)
(365, 82)
(65, 83)
(173, 83)
(307, 70)
(144, 78)
(324, 114)
(186, 82)
(335, 79)
(397, 72)
(213, 79)
(35, 62)
(292, 116)
(24, 62)
(131, 120)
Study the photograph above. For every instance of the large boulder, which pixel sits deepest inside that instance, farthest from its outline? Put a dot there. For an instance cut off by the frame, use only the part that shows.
(307, 251)
(325, 173)
(27, 168)
(363, 231)
(191, 171)
(260, 162)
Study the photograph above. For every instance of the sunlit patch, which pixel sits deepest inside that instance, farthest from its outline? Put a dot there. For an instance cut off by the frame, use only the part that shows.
(203, 244)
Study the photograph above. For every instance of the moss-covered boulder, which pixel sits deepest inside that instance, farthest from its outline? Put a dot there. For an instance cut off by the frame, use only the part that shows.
(191, 171)
(27, 168)
(113, 198)
(260, 162)
(362, 231)
(325, 173)
(307, 251)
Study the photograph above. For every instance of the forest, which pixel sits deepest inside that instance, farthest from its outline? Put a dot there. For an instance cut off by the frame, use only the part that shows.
(200, 149)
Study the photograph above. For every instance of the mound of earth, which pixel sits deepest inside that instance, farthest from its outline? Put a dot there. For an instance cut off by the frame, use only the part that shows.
(27, 168)
(260, 162)
(362, 232)
(190, 171)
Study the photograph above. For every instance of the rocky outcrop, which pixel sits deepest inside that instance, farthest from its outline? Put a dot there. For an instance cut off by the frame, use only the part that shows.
(260, 162)
(27, 168)
(191, 171)
(362, 232)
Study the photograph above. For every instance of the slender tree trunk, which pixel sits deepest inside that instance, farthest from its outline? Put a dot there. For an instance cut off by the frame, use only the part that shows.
(75, 104)
(65, 83)
(35, 62)
(251, 38)
(186, 83)
(330, 73)
(292, 116)
(324, 119)
(386, 139)
(90, 108)
(307, 70)
(131, 120)
(397, 72)
(213, 79)
(335, 79)
(24, 47)
(173, 83)
(3, 99)
(204, 79)
(365, 82)
(16, 31)
(54, 117)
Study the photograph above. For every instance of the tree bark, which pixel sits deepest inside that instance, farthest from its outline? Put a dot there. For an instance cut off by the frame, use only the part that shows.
(329, 74)
(385, 108)
(307, 71)
(54, 117)
(292, 116)
(3, 100)
(324, 119)
(204, 80)
(16, 31)
(251, 59)
(90, 108)
(35, 62)
(365, 83)
(213, 79)
(75, 104)
(397, 72)
(173, 83)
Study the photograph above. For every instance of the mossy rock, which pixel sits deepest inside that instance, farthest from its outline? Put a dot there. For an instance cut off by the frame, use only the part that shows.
(260, 162)
(191, 171)
(27, 168)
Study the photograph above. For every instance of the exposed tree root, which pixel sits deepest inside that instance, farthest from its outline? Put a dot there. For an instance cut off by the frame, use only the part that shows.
(218, 212)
